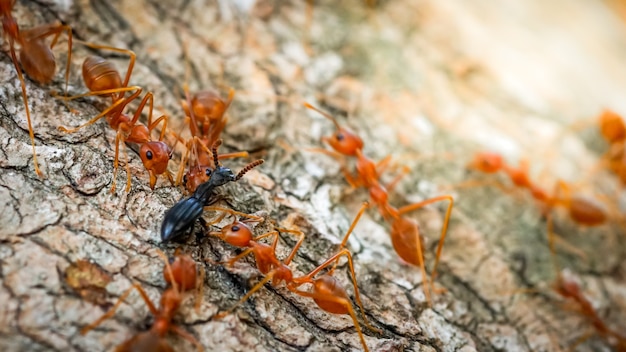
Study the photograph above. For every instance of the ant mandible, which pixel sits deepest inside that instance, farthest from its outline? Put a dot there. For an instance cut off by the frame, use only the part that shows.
(35, 56)
(327, 292)
(181, 274)
(102, 79)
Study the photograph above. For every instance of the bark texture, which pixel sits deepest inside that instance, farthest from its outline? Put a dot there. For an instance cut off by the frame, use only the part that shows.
(429, 82)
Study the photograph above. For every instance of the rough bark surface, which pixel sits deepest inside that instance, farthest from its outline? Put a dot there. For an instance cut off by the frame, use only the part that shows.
(429, 82)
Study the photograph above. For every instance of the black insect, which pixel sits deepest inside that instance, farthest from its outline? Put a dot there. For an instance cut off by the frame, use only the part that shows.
(184, 214)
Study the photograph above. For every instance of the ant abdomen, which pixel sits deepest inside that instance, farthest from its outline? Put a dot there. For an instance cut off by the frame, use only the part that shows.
(100, 74)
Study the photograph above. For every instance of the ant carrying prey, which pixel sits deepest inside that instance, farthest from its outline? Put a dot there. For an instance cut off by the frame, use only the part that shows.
(183, 214)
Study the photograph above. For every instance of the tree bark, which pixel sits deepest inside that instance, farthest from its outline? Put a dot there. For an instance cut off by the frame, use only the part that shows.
(427, 82)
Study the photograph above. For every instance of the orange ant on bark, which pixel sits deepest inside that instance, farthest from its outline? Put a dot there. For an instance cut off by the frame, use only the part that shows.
(405, 234)
(181, 274)
(581, 209)
(102, 79)
(327, 291)
(35, 56)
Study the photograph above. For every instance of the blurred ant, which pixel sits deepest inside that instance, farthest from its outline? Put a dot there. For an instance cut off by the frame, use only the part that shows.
(181, 274)
(35, 56)
(103, 79)
(183, 214)
(405, 234)
(327, 292)
(569, 289)
(581, 209)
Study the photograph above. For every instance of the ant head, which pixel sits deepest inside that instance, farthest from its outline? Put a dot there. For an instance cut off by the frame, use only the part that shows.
(155, 156)
(486, 162)
(345, 142)
(183, 272)
(196, 176)
(237, 234)
(221, 176)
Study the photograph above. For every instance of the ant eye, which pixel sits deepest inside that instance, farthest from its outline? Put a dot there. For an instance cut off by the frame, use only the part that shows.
(149, 155)
(171, 260)
(235, 228)
(185, 179)
(207, 172)
(339, 136)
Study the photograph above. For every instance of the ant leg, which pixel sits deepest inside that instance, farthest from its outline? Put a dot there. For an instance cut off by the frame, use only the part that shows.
(31, 133)
(117, 103)
(117, 304)
(128, 176)
(296, 247)
(249, 217)
(199, 289)
(391, 185)
(187, 336)
(233, 260)
(364, 206)
(444, 229)
(344, 302)
(256, 287)
(142, 104)
(103, 92)
(220, 156)
(233, 155)
(118, 138)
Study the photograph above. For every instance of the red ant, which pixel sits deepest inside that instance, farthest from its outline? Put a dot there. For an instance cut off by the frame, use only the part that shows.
(206, 119)
(405, 234)
(327, 291)
(103, 79)
(35, 56)
(582, 210)
(180, 273)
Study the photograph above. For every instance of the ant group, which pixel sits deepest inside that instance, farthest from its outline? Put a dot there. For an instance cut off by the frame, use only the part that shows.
(405, 233)
(182, 276)
(35, 56)
(102, 79)
(327, 292)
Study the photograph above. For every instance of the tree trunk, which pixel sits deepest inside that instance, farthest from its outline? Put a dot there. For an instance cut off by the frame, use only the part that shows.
(430, 83)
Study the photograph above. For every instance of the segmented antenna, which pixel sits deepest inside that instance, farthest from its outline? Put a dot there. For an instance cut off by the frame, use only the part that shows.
(248, 167)
(216, 145)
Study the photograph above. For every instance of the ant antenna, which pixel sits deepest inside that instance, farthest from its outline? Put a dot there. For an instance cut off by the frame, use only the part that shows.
(325, 114)
(248, 167)
(214, 152)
